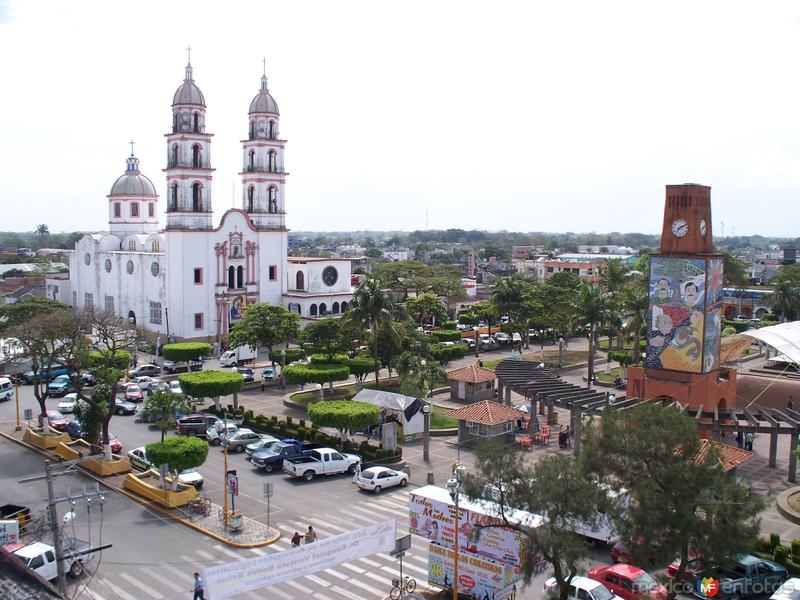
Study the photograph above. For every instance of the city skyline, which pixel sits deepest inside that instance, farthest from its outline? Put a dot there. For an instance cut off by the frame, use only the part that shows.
(526, 118)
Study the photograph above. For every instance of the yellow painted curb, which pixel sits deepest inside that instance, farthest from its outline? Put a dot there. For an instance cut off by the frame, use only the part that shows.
(158, 509)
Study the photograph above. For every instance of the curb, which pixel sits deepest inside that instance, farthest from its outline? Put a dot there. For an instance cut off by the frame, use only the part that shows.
(149, 505)
(783, 505)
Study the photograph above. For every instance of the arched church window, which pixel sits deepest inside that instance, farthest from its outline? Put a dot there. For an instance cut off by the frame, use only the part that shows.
(239, 277)
(129, 267)
(272, 161)
(155, 247)
(174, 155)
(196, 122)
(335, 308)
(108, 265)
(173, 201)
(231, 278)
(312, 310)
(300, 280)
(273, 199)
(132, 245)
(134, 209)
(272, 130)
(174, 122)
(155, 269)
(344, 307)
(87, 259)
(323, 309)
(196, 204)
(117, 210)
(251, 160)
(196, 156)
(250, 196)
(151, 209)
(252, 129)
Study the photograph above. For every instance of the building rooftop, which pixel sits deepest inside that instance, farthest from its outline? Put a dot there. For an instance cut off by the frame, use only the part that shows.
(486, 412)
(472, 374)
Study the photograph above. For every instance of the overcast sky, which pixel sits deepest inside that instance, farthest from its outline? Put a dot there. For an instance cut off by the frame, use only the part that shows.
(524, 116)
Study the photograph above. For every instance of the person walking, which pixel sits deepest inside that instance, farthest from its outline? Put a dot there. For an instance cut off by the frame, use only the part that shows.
(739, 439)
(790, 403)
(748, 441)
(311, 535)
(296, 539)
(198, 587)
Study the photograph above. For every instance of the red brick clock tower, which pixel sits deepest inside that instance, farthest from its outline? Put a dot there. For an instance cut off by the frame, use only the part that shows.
(684, 317)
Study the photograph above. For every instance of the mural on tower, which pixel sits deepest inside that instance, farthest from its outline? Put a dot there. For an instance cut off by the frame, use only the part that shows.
(713, 320)
(677, 315)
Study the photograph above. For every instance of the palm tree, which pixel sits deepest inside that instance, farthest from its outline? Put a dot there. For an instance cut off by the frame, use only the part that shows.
(636, 303)
(508, 296)
(785, 297)
(43, 230)
(592, 307)
(612, 280)
(372, 307)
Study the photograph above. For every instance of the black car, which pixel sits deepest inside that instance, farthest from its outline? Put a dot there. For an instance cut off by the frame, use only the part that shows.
(246, 373)
(123, 407)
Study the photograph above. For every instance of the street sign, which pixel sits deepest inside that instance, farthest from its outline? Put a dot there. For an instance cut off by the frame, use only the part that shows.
(233, 483)
(267, 490)
(401, 545)
(28, 414)
(9, 532)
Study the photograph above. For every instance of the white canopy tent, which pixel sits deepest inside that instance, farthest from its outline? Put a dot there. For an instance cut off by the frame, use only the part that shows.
(407, 408)
(785, 338)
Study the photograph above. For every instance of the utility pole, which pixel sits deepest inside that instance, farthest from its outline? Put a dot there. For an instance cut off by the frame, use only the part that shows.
(54, 529)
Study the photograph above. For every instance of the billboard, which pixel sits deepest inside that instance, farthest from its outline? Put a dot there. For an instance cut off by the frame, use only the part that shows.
(677, 314)
(431, 516)
(478, 576)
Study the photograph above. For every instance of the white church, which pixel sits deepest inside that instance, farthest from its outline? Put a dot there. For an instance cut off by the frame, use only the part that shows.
(192, 279)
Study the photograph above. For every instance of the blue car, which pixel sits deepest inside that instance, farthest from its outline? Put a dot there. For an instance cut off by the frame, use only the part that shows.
(45, 374)
(59, 386)
(73, 428)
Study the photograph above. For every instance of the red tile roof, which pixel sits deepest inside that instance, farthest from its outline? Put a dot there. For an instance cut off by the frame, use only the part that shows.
(730, 457)
(472, 374)
(486, 412)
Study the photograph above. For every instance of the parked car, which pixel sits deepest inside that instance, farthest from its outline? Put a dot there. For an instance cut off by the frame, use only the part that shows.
(376, 479)
(789, 590)
(55, 419)
(59, 386)
(265, 441)
(693, 565)
(268, 374)
(247, 373)
(181, 367)
(174, 387)
(516, 338)
(620, 553)
(237, 441)
(270, 458)
(133, 393)
(629, 582)
(502, 339)
(41, 558)
(220, 429)
(195, 424)
(146, 382)
(469, 342)
(147, 369)
(750, 576)
(487, 342)
(116, 445)
(322, 461)
(88, 379)
(67, 403)
(123, 407)
(44, 374)
(582, 588)
(73, 429)
(138, 460)
(6, 388)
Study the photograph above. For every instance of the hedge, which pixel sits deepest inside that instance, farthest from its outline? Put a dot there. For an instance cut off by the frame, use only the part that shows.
(444, 353)
(180, 453)
(739, 326)
(446, 335)
(120, 359)
(361, 365)
(211, 384)
(449, 324)
(337, 359)
(186, 351)
(623, 357)
(316, 373)
(292, 355)
(344, 414)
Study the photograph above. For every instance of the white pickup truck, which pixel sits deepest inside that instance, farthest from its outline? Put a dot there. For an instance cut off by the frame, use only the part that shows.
(321, 461)
(41, 557)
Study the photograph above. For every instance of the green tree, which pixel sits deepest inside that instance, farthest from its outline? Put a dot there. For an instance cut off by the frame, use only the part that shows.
(186, 352)
(418, 376)
(212, 384)
(554, 486)
(265, 325)
(734, 271)
(161, 408)
(19, 313)
(591, 306)
(680, 498)
(92, 415)
(317, 373)
(444, 353)
(371, 307)
(43, 231)
(426, 308)
(324, 337)
(785, 297)
(344, 415)
(180, 453)
(635, 304)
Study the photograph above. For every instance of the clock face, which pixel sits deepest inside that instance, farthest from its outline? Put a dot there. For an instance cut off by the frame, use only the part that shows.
(329, 275)
(680, 228)
(702, 227)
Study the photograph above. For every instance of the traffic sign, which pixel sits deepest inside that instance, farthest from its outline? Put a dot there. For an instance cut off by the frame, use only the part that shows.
(233, 484)
(267, 490)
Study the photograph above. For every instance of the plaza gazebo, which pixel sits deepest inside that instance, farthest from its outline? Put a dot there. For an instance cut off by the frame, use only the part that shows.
(485, 420)
(472, 383)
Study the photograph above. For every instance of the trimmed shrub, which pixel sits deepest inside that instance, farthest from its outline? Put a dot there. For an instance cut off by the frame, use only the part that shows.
(781, 554)
(739, 326)
(211, 384)
(316, 373)
(623, 357)
(361, 365)
(292, 355)
(774, 540)
(444, 353)
(446, 335)
(185, 351)
(344, 414)
(796, 549)
(321, 359)
(449, 324)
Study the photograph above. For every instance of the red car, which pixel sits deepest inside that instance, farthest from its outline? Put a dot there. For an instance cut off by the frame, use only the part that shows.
(56, 420)
(620, 553)
(116, 445)
(133, 393)
(629, 582)
(694, 564)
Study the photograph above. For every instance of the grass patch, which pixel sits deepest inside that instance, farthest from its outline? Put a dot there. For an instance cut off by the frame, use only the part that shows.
(610, 377)
(345, 392)
(441, 421)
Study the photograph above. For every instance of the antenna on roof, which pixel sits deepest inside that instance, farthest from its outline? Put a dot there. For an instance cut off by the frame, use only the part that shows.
(131, 143)
(264, 61)
(189, 51)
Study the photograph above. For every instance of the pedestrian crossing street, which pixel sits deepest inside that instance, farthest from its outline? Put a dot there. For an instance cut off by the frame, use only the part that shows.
(364, 579)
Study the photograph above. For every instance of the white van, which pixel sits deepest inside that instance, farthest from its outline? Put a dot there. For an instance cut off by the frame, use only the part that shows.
(6, 388)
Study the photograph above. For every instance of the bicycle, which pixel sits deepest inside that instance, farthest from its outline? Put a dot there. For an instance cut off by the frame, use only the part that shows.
(200, 506)
(402, 588)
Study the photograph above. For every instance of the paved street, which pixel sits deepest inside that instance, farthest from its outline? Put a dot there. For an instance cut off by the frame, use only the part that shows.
(153, 558)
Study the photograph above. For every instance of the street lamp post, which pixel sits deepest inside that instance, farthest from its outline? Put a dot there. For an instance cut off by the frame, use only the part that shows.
(560, 351)
(283, 367)
(426, 433)
(453, 486)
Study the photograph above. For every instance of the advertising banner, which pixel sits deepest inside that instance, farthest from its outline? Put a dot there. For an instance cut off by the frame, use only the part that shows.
(9, 532)
(478, 576)
(237, 577)
(479, 531)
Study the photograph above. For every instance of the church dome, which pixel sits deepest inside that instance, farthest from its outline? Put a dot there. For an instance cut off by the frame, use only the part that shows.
(132, 182)
(264, 102)
(188, 92)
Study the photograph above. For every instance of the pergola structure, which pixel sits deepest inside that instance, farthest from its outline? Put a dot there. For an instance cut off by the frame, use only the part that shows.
(540, 386)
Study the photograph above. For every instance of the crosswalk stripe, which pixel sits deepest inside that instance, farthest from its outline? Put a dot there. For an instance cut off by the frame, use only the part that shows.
(371, 563)
(377, 578)
(369, 588)
(205, 554)
(395, 512)
(299, 587)
(224, 550)
(279, 592)
(258, 551)
(336, 574)
(92, 595)
(169, 583)
(317, 580)
(343, 592)
(322, 596)
(138, 584)
(326, 523)
(118, 591)
(416, 569)
(359, 517)
(353, 568)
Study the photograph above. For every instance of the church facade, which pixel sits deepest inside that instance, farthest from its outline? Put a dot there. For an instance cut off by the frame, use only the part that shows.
(193, 279)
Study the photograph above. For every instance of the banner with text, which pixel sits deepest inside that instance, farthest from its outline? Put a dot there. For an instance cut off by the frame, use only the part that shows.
(224, 581)
(476, 575)
(478, 532)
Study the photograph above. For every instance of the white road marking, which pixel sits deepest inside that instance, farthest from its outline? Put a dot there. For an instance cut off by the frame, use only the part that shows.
(299, 587)
(139, 585)
(118, 591)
